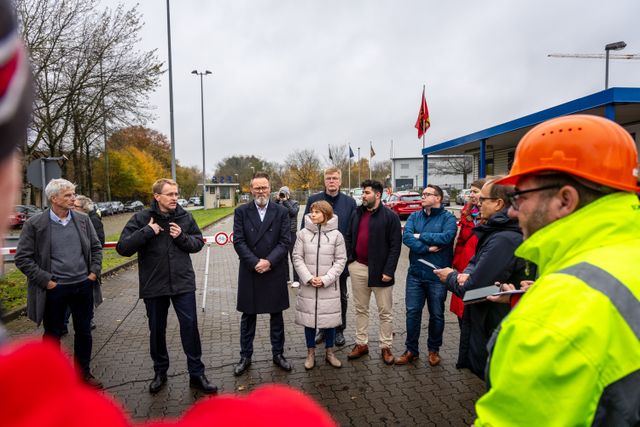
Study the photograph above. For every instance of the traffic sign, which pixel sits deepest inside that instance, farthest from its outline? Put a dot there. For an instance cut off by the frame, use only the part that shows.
(221, 238)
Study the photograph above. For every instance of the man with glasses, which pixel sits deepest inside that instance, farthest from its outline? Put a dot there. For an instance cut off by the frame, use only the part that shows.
(493, 261)
(164, 236)
(261, 233)
(429, 234)
(569, 352)
(343, 207)
(61, 256)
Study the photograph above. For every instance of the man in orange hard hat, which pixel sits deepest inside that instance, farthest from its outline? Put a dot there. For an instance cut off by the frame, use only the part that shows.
(569, 353)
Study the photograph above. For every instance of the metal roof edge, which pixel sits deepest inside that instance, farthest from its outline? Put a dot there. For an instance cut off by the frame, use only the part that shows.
(594, 100)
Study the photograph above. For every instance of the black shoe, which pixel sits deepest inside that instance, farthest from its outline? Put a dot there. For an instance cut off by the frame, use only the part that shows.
(158, 382)
(282, 362)
(93, 324)
(200, 382)
(242, 366)
(339, 339)
(320, 336)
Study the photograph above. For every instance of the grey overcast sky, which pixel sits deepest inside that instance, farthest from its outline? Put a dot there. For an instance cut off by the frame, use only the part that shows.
(295, 74)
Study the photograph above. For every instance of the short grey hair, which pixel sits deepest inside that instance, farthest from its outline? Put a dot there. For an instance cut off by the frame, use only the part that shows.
(56, 186)
(86, 204)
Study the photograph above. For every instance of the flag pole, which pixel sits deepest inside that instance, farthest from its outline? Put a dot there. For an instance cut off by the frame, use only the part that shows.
(349, 170)
(359, 164)
(370, 148)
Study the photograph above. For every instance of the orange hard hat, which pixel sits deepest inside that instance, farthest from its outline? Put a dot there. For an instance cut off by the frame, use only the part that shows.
(590, 147)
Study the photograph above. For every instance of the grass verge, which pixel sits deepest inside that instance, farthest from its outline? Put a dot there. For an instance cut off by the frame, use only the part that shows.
(13, 289)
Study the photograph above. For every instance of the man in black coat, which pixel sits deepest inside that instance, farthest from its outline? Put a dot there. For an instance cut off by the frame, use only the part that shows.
(374, 240)
(343, 206)
(164, 236)
(261, 237)
(494, 261)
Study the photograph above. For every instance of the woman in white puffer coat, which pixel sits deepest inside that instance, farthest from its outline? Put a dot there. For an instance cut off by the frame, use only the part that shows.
(319, 257)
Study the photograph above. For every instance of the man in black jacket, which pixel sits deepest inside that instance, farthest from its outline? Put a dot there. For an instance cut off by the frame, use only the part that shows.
(164, 236)
(343, 206)
(373, 242)
(494, 261)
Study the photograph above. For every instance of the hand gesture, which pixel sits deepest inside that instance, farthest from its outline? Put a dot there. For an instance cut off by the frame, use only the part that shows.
(442, 273)
(174, 230)
(263, 266)
(155, 227)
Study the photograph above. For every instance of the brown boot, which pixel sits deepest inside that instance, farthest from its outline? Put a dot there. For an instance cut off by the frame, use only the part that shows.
(358, 351)
(434, 358)
(407, 357)
(310, 362)
(332, 359)
(387, 356)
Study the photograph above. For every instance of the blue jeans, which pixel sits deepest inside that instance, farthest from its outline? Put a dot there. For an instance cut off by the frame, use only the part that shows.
(435, 293)
(329, 337)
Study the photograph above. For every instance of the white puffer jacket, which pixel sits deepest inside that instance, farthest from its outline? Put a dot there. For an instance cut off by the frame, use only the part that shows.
(319, 251)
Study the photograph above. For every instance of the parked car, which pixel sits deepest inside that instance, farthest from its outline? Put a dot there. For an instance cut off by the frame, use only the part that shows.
(105, 208)
(16, 219)
(134, 206)
(446, 200)
(195, 200)
(183, 202)
(356, 193)
(404, 203)
(463, 196)
(28, 210)
(118, 207)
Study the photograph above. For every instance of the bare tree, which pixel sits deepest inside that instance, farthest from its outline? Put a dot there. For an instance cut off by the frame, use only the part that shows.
(453, 165)
(88, 76)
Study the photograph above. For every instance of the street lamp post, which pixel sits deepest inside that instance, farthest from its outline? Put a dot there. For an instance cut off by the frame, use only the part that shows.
(611, 46)
(204, 174)
(173, 140)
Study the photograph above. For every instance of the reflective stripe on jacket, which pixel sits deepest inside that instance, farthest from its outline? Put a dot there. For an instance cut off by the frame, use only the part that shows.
(569, 353)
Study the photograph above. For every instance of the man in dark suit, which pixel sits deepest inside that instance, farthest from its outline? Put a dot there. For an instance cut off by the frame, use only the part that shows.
(261, 239)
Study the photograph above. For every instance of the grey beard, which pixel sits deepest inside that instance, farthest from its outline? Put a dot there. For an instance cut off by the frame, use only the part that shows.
(262, 201)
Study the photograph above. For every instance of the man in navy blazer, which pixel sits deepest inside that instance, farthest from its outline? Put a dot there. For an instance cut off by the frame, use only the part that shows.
(261, 238)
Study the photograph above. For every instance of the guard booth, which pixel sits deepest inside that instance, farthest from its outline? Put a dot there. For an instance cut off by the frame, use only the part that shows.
(221, 192)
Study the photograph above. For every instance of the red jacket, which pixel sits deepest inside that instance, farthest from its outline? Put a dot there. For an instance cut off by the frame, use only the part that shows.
(465, 250)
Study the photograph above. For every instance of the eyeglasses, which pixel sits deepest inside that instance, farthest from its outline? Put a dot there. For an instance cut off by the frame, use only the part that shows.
(170, 194)
(482, 199)
(514, 197)
(425, 195)
(260, 189)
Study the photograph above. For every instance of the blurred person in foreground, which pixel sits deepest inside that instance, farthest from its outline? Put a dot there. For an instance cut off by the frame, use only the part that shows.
(38, 382)
(569, 352)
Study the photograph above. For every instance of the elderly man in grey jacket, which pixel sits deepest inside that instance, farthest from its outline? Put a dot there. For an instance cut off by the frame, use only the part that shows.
(61, 256)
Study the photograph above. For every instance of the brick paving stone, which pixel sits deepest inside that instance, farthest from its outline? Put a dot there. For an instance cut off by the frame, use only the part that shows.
(363, 392)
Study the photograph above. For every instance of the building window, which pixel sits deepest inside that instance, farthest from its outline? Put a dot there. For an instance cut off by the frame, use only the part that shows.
(224, 192)
(404, 165)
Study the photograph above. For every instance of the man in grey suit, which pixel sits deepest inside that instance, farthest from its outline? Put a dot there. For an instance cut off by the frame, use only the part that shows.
(61, 256)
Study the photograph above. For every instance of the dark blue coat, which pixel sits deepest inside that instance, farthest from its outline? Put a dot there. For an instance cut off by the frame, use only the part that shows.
(437, 229)
(253, 240)
(342, 205)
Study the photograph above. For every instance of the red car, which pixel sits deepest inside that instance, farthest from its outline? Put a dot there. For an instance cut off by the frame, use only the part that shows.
(405, 203)
(16, 219)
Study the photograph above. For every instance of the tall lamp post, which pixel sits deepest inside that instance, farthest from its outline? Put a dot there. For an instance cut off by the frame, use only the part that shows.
(173, 139)
(611, 46)
(204, 175)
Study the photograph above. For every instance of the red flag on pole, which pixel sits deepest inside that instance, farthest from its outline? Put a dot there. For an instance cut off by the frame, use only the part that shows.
(423, 123)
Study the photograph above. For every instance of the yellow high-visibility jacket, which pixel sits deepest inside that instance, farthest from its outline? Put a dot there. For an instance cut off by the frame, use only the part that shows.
(569, 353)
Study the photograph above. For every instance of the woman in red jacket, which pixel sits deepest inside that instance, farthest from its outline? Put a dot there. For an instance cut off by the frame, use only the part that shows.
(466, 244)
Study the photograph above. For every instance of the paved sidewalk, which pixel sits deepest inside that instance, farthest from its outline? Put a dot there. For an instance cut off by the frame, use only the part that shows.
(364, 392)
